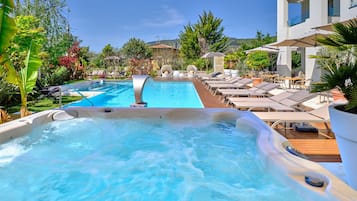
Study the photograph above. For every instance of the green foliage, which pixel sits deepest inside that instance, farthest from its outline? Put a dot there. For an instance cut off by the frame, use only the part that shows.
(29, 72)
(51, 15)
(344, 38)
(259, 40)
(45, 104)
(8, 29)
(258, 60)
(200, 63)
(204, 36)
(295, 59)
(59, 76)
(25, 45)
(136, 49)
(342, 71)
(107, 51)
(7, 24)
(211, 33)
(8, 93)
(29, 34)
(190, 49)
(235, 59)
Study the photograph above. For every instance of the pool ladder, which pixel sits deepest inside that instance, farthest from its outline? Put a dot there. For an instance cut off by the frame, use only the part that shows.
(78, 92)
(85, 97)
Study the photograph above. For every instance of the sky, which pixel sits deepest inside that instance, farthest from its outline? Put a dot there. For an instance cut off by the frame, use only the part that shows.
(98, 23)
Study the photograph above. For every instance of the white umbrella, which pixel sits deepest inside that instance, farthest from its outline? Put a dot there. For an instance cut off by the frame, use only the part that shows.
(213, 54)
(263, 48)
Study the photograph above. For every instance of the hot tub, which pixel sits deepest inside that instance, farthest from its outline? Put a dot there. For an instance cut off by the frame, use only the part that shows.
(155, 154)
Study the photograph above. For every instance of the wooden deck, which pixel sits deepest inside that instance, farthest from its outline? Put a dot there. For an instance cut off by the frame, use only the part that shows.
(320, 150)
(313, 145)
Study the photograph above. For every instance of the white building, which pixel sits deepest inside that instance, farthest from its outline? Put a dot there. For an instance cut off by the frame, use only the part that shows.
(299, 18)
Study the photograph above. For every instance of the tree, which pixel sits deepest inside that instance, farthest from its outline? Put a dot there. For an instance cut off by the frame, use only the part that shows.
(136, 52)
(204, 36)
(234, 59)
(190, 48)
(51, 17)
(341, 73)
(259, 40)
(258, 60)
(210, 33)
(25, 78)
(136, 49)
(107, 51)
(75, 60)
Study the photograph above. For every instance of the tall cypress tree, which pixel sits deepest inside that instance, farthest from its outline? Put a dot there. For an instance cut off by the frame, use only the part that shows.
(204, 36)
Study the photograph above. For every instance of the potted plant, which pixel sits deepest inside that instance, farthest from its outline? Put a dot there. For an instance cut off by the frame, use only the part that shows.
(342, 75)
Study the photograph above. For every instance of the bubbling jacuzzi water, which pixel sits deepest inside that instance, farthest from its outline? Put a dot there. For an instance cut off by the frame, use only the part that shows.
(137, 159)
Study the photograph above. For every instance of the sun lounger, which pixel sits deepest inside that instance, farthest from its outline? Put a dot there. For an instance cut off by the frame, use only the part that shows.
(259, 90)
(212, 76)
(287, 104)
(319, 115)
(275, 98)
(226, 92)
(239, 84)
(252, 88)
(227, 81)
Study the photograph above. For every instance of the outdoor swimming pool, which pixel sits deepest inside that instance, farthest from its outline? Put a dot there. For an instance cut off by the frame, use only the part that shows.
(151, 154)
(156, 94)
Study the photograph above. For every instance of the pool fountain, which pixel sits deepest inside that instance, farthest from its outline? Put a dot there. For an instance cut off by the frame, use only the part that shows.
(138, 85)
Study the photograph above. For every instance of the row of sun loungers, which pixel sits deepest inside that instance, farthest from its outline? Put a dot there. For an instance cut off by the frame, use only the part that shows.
(284, 107)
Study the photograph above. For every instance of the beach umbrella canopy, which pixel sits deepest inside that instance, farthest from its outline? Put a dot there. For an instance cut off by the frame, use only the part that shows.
(329, 27)
(269, 49)
(309, 40)
(191, 68)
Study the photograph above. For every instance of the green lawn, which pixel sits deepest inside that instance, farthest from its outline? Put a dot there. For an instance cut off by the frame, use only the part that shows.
(44, 104)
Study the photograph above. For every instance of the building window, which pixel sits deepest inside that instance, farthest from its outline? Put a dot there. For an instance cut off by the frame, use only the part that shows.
(298, 12)
(333, 8)
(353, 3)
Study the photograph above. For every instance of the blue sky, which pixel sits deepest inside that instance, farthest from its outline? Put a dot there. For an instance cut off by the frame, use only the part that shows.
(114, 22)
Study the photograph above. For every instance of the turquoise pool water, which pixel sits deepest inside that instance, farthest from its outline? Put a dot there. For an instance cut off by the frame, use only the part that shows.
(137, 159)
(156, 94)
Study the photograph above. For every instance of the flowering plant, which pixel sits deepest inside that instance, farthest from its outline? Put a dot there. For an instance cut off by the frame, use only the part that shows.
(342, 72)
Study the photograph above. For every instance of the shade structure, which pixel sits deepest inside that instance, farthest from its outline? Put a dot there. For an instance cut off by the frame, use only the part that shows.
(191, 68)
(329, 27)
(269, 49)
(213, 54)
(305, 41)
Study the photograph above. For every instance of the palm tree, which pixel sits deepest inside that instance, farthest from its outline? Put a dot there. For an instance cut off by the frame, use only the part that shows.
(342, 74)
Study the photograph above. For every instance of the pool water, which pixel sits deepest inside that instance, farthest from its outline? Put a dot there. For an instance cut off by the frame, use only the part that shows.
(137, 159)
(156, 94)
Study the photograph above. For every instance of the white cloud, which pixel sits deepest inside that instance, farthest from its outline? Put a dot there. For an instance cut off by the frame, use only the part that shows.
(165, 18)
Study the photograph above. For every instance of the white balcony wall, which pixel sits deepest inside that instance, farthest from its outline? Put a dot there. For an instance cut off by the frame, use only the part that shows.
(282, 20)
(347, 12)
(318, 16)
